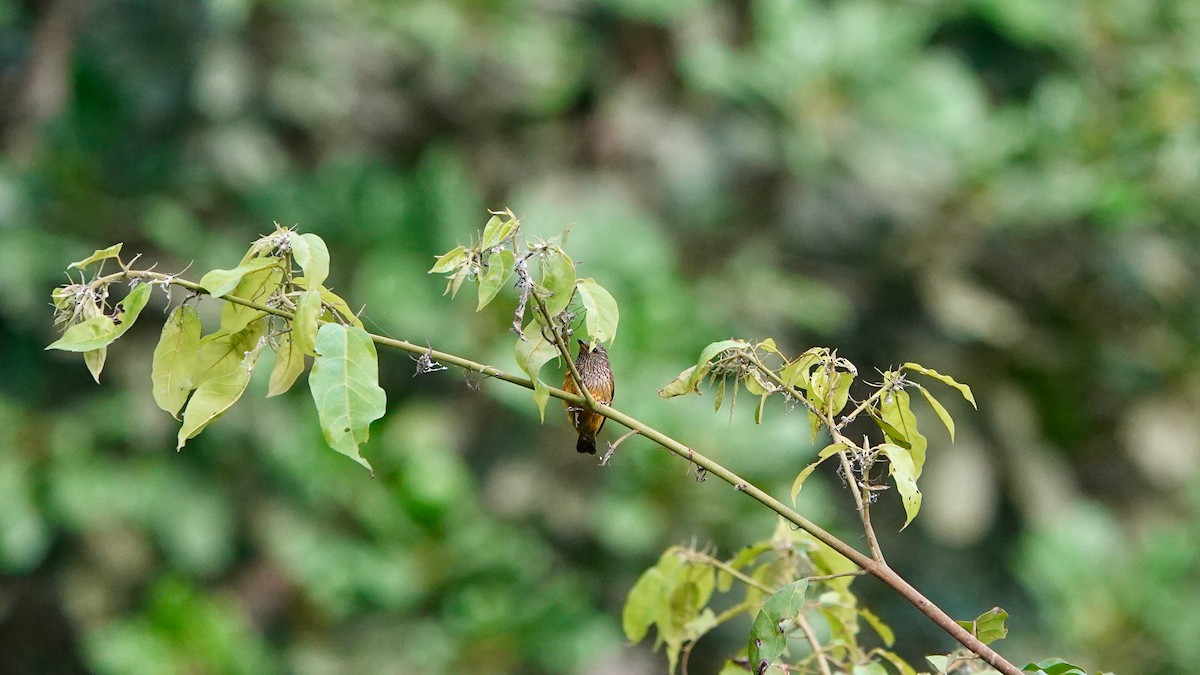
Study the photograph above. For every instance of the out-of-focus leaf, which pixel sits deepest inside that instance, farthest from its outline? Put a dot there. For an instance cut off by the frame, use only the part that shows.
(882, 629)
(344, 381)
(1054, 666)
(898, 663)
(869, 669)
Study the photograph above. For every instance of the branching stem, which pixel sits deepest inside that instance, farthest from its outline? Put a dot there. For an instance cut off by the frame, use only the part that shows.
(876, 568)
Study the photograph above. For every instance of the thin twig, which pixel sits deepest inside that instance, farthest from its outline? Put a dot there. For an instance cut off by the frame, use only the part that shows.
(880, 570)
(806, 628)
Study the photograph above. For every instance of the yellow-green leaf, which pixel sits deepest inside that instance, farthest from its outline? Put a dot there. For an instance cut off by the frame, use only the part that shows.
(289, 363)
(500, 267)
(97, 255)
(220, 282)
(304, 323)
(532, 353)
(558, 277)
(682, 384)
(962, 388)
(94, 360)
(175, 359)
(313, 257)
(449, 261)
(904, 474)
(941, 412)
(896, 410)
(216, 395)
(601, 308)
(826, 452)
(99, 331)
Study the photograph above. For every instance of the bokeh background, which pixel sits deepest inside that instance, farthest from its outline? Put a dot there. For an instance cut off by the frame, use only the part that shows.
(1005, 190)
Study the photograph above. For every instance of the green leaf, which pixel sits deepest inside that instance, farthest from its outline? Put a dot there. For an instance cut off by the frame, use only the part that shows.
(897, 411)
(702, 366)
(767, 639)
(289, 363)
(937, 408)
(345, 386)
(762, 402)
(797, 373)
(868, 669)
(99, 331)
(841, 392)
(601, 308)
(313, 258)
(496, 231)
(682, 384)
(94, 360)
(220, 282)
(989, 626)
(718, 398)
(756, 384)
(898, 663)
(304, 324)
(904, 474)
(1054, 667)
(940, 661)
(558, 277)
(216, 395)
(175, 359)
(452, 259)
(826, 452)
(962, 388)
(532, 353)
(97, 255)
(882, 629)
(647, 600)
(256, 286)
(336, 303)
(220, 352)
(500, 268)
(768, 345)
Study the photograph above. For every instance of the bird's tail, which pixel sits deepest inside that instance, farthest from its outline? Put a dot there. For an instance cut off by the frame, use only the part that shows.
(586, 444)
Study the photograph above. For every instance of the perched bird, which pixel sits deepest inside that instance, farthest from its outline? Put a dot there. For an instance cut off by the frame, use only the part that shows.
(596, 374)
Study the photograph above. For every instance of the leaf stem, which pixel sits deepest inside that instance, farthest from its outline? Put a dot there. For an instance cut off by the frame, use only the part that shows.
(876, 568)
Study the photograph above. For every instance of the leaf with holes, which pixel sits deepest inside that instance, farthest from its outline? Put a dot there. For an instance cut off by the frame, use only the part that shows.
(344, 381)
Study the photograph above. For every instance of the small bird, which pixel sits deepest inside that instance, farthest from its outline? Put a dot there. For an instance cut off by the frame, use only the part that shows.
(596, 374)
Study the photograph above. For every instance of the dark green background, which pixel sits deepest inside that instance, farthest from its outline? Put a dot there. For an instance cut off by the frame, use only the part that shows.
(1005, 190)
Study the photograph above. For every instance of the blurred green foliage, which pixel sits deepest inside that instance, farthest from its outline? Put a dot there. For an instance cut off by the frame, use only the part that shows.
(1000, 189)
